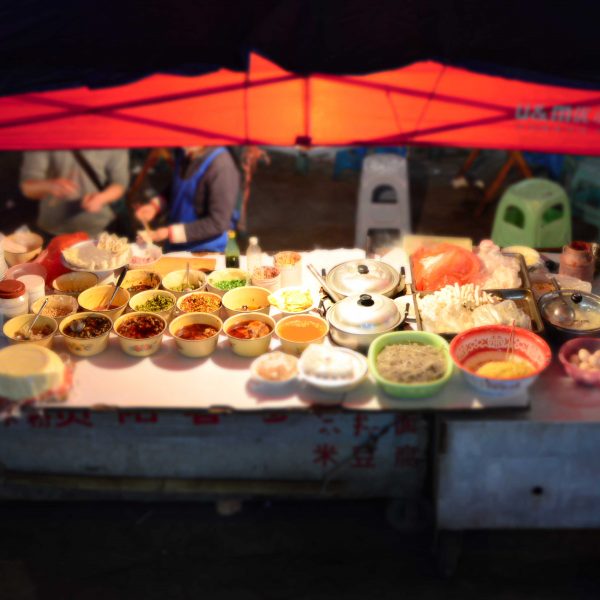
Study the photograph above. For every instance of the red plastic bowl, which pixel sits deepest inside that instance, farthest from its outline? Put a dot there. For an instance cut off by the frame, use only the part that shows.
(572, 347)
(471, 348)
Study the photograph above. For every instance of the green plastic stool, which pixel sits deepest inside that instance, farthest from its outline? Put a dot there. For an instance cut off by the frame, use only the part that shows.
(584, 190)
(535, 213)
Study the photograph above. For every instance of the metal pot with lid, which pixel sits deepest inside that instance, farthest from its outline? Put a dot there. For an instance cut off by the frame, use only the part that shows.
(356, 321)
(364, 276)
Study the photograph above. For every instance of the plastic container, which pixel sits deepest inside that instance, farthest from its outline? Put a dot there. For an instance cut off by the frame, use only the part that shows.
(253, 255)
(290, 265)
(577, 260)
(13, 299)
(35, 286)
(267, 277)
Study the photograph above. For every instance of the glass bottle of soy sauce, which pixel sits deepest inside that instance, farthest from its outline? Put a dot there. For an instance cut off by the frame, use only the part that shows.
(232, 251)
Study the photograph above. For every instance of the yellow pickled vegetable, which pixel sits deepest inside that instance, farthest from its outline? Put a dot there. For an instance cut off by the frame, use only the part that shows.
(505, 369)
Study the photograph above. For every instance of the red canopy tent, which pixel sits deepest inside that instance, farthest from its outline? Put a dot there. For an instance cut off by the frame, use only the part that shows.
(424, 103)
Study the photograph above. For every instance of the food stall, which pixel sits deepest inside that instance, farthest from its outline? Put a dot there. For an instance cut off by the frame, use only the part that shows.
(207, 426)
(166, 423)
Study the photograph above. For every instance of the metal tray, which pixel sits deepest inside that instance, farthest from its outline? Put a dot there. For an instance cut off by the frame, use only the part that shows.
(523, 272)
(523, 298)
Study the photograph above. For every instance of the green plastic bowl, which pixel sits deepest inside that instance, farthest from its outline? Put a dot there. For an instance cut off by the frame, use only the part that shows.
(409, 390)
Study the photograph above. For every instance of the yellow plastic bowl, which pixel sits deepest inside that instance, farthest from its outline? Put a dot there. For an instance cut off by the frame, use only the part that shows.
(56, 301)
(19, 323)
(196, 348)
(99, 295)
(75, 283)
(139, 347)
(140, 298)
(177, 278)
(292, 344)
(250, 296)
(32, 245)
(139, 277)
(252, 347)
(84, 346)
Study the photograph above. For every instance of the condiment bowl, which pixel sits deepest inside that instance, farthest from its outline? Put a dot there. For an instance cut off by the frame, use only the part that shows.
(30, 268)
(194, 301)
(274, 369)
(95, 298)
(63, 303)
(253, 346)
(296, 332)
(572, 347)
(175, 280)
(285, 298)
(31, 244)
(255, 299)
(317, 367)
(196, 348)
(139, 303)
(21, 324)
(409, 390)
(473, 348)
(142, 280)
(224, 277)
(139, 347)
(259, 279)
(85, 346)
(74, 283)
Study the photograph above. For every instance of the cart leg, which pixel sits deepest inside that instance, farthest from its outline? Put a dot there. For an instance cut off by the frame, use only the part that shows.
(447, 550)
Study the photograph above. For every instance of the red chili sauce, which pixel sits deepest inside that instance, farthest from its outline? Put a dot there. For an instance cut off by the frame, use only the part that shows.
(141, 327)
(196, 331)
(249, 330)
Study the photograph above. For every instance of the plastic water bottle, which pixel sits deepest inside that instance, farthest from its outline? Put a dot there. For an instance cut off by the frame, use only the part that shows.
(253, 255)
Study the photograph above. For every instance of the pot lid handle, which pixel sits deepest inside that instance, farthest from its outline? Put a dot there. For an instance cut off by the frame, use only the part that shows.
(363, 269)
(365, 300)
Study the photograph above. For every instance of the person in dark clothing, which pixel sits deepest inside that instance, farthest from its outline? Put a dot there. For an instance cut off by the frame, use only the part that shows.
(202, 204)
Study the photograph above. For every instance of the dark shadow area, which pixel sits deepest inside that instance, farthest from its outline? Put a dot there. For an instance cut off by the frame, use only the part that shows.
(293, 550)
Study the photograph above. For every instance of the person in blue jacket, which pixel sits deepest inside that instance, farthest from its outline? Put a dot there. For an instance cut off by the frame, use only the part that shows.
(202, 204)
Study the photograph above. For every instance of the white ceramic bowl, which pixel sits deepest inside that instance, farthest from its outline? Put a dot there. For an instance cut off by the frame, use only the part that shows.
(255, 298)
(278, 299)
(474, 347)
(74, 283)
(139, 347)
(30, 245)
(330, 384)
(85, 346)
(175, 279)
(253, 346)
(136, 303)
(263, 361)
(98, 295)
(196, 348)
(62, 302)
(21, 323)
(184, 301)
(225, 275)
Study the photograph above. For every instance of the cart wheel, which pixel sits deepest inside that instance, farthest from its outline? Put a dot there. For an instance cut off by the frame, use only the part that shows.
(447, 551)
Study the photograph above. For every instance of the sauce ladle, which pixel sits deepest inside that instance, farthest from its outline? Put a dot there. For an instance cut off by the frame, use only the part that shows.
(562, 312)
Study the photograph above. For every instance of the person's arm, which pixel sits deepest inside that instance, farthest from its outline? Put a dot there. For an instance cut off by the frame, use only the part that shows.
(117, 170)
(35, 183)
(222, 185)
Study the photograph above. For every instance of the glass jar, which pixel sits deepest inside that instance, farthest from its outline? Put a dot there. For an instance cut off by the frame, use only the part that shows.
(13, 299)
(577, 260)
